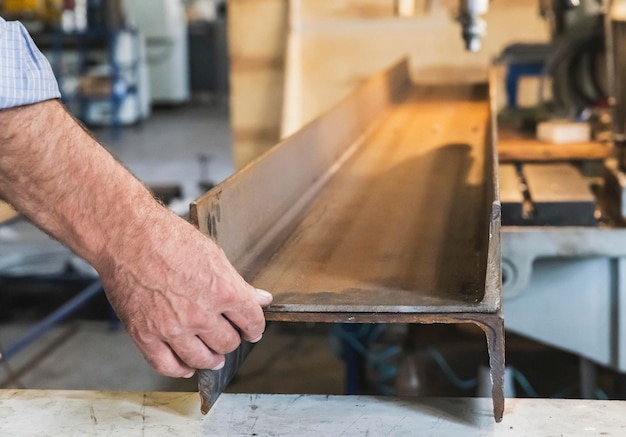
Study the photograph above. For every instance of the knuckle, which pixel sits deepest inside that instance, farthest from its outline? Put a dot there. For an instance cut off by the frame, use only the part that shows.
(170, 330)
(168, 369)
(234, 341)
(229, 298)
(198, 363)
(212, 363)
(208, 360)
(255, 325)
(229, 343)
(221, 340)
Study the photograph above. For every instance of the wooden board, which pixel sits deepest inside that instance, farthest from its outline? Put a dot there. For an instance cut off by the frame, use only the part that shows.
(43, 413)
(534, 150)
(257, 31)
(343, 42)
(338, 52)
(6, 212)
(514, 146)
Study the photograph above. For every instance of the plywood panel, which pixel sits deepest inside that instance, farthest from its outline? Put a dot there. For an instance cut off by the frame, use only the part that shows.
(349, 9)
(6, 212)
(516, 146)
(337, 54)
(173, 414)
(252, 147)
(256, 28)
(257, 32)
(258, 98)
(345, 41)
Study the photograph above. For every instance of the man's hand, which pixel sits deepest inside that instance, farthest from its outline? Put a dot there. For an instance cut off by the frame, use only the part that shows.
(172, 287)
(179, 298)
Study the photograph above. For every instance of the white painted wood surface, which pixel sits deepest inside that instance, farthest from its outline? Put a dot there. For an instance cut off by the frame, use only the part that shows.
(89, 413)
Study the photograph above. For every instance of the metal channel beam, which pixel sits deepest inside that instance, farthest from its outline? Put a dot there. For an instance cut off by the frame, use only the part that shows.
(385, 208)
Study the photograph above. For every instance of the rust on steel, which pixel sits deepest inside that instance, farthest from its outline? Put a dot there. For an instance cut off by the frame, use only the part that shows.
(213, 383)
(383, 209)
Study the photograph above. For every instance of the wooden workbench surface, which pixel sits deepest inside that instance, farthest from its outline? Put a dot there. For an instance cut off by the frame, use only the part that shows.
(76, 413)
(514, 146)
(6, 212)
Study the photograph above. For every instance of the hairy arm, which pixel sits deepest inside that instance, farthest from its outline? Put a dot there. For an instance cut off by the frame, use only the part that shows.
(171, 286)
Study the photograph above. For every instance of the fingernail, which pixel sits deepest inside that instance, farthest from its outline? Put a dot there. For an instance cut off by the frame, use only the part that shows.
(264, 294)
(190, 374)
(256, 340)
(220, 365)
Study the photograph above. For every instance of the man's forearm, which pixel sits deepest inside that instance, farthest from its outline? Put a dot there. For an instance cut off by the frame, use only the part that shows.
(171, 286)
(59, 177)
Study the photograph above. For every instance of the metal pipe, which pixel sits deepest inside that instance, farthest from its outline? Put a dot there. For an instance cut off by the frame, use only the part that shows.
(51, 320)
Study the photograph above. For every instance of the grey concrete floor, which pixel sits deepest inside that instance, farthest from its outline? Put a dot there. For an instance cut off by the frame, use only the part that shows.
(166, 147)
(89, 355)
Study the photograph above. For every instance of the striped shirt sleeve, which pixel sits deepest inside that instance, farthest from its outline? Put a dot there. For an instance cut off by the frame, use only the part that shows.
(25, 74)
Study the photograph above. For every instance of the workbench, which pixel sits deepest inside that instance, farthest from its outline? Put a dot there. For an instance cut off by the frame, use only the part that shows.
(76, 413)
(6, 212)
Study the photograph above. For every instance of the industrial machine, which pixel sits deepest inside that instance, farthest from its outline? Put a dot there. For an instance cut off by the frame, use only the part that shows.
(164, 27)
(563, 236)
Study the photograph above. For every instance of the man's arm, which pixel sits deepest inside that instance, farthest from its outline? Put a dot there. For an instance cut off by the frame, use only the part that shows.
(171, 286)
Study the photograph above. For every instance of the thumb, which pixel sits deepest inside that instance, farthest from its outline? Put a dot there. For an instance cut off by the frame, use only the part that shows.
(264, 298)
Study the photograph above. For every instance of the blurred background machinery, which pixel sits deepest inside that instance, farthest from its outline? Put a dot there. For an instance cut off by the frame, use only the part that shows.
(164, 26)
(562, 66)
(115, 59)
(560, 147)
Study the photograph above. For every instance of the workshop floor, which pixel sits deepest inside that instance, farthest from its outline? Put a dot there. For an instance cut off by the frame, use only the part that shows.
(89, 355)
(167, 147)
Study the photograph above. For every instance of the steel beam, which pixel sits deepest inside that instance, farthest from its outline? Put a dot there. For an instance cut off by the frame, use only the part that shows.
(384, 209)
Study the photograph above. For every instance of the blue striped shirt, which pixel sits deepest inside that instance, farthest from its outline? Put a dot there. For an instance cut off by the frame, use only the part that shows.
(25, 74)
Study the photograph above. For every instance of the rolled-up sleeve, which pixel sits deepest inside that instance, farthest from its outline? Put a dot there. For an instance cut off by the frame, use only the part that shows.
(25, 74)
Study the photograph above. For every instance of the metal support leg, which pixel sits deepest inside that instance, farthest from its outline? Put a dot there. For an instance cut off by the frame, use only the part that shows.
(211, 383)
(353, 359)
(588, 384)
(494, 331)
(619, 386)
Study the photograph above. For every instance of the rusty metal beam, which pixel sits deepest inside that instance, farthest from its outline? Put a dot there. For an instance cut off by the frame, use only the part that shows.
(384, 209)
(213, 383)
